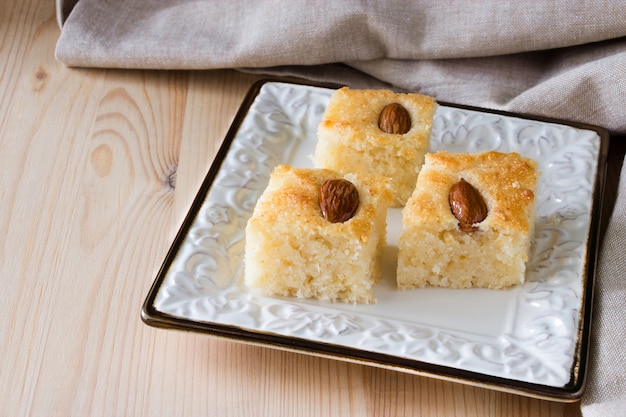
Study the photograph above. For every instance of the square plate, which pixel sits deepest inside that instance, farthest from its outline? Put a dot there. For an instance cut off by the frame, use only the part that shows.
(531, 339)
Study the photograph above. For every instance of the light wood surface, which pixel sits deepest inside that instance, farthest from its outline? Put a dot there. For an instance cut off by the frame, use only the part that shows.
(98, 170)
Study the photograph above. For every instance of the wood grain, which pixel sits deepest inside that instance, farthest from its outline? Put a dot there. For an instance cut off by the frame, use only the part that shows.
(99, 168)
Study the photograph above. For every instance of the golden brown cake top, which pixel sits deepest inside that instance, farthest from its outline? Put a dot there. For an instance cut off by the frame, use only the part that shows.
(292, 200)
(506, 181)
(354, 115)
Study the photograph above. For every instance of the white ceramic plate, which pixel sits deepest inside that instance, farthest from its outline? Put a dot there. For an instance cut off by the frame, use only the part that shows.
(531, 339)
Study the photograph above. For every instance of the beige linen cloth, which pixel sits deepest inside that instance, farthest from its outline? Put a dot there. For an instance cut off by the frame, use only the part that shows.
(563, 59)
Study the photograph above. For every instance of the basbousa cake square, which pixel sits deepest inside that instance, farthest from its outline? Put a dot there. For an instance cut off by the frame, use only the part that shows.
(448, 240)
(300, 242)
(376, 131)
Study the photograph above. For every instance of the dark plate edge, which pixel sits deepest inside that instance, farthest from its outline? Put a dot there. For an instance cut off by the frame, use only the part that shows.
(571, 392)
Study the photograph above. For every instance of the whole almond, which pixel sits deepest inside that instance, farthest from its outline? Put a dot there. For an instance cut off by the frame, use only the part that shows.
(467, 205)
(339, 200)
(394, 118)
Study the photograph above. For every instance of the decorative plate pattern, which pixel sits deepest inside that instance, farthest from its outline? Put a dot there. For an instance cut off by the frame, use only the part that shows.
(529, 333)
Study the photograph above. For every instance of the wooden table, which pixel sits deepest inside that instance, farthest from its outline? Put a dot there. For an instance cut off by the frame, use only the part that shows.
(99, 168)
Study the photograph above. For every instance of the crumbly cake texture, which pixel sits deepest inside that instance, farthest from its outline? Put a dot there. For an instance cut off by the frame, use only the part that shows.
(292, 250)
(433, 251)
(349, 139)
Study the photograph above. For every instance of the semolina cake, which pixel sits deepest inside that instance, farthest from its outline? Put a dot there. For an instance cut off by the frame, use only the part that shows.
(376, 131)
(315, 233)
(469, 222)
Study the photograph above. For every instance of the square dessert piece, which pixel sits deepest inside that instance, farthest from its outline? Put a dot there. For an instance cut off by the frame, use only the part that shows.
(310, 238)
(469, 222)
(376, 131)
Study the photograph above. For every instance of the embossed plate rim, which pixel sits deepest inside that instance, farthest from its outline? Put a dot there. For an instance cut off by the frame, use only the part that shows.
(571, 391)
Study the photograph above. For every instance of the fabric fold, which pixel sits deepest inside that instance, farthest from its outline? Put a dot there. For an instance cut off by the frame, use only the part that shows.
(606, 392)
(556, 59)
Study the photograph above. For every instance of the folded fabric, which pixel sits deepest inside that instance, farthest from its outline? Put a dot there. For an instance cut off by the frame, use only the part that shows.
(606, 391)
(555, 58)
(559, 59)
